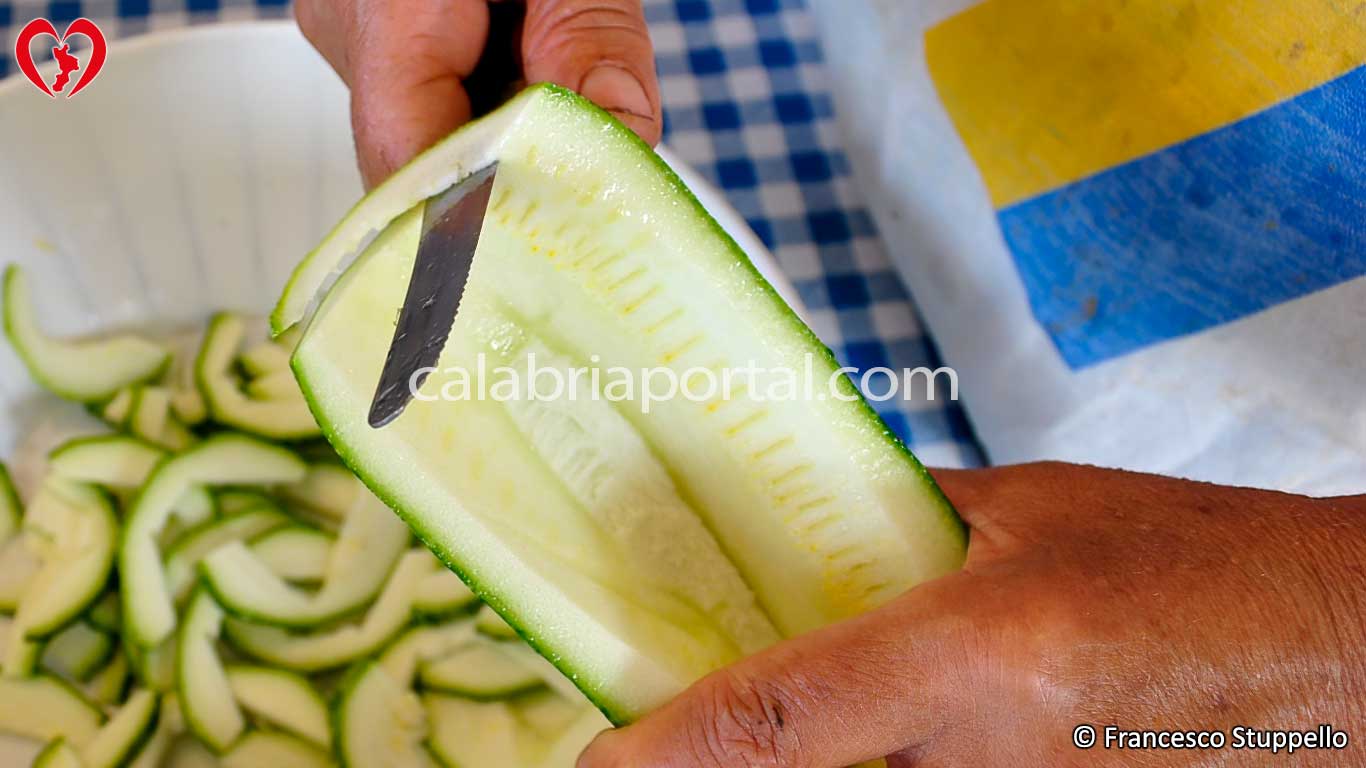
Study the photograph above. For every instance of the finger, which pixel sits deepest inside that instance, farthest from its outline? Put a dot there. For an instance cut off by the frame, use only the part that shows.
(856, 691)
(407, 60)
(600, 48)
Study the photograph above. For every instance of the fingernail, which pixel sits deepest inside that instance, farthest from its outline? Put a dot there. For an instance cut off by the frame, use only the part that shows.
(617, 90)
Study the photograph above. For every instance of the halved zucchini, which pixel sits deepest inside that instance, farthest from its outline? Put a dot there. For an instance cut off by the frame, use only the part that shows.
(340, 646)
(285, 419)
(284, 699)
(370, 542)
(224, 459)
(88, 371)
(665, 537)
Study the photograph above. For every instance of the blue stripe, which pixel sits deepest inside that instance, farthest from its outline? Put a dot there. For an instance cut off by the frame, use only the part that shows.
(1224, 225)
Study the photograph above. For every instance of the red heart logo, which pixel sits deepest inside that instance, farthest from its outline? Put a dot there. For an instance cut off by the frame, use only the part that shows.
(67, 63)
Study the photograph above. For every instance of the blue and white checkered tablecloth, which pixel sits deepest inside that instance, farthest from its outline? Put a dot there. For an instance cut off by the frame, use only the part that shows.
(747, 104)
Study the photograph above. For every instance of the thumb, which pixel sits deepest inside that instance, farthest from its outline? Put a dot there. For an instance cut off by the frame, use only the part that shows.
(872, 686)
(600, 48)
(407, 59)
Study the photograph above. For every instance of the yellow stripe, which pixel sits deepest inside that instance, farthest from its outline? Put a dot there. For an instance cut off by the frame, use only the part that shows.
(1046, 92)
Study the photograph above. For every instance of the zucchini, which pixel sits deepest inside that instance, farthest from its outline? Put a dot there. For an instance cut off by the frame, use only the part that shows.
(481, 670)
(285, 419)
(379, 722)
(421, 644)
(265, 358)
(295, 553)
(119, 406)
(125, 734)
(667, 542)
(443, 594)
(170, 723)
(233, 500)
(549, 714)
(224, 459)
(183, 557)
(44, 708)
(58, 754)
(77, 652)
(154, 667)
(342, 645)
(489, 623)
(88, 371)
(279, 385)
(206, 697)
(189, 752)
(263, 749)
(77, 525)
(108, 685)
(371, 540)
(114, 461)
(11, 509)
(473, 734)
(19, 561)
(283, 699)
(328, 490)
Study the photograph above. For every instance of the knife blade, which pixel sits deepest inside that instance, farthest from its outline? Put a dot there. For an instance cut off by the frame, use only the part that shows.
(451, 223)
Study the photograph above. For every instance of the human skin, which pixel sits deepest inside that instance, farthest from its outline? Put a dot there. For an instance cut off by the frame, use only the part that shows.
(407, 63)
(1089, 596)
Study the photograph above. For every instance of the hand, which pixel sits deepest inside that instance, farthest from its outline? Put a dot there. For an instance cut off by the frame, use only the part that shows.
(1089, 596)
(407, 62)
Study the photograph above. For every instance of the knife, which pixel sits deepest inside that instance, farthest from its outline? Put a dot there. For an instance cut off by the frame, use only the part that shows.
(451, 223)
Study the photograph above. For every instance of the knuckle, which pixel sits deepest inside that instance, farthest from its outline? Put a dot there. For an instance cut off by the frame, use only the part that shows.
(745, 723)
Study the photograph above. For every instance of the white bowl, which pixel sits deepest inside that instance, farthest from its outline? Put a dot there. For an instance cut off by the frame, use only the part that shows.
(190, 176)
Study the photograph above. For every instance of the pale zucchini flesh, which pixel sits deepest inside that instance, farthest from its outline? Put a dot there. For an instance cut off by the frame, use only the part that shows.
(283, 419)
(88, 370)
(11, 509)
(183, 558)
(481, 671)
(284, 699)
(379, 722)
(44, 708)
(125, 733)
(77, 652)
(113, 461)
(206, 696)
(265, 749)
(295, 553)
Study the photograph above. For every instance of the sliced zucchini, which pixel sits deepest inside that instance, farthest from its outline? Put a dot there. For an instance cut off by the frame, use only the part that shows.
(286, 419)
(189, 752)
(329, 490)
(170, 723)
(182, 559)
(549, 714)
(104, 614)
(279, 385)
(151, 406)
(19, 561)
(473, 734)
(11, 509)
(119, 406)
(154, 667)
(564, 751)
(340, 646)
(421, 644)
(444, 594)
(379, 722)
(77, 652)
(481, 670)
(234, 500)
(188, 406)
(673, 536)
(489, 623)
(58, 754)
(224, 459)
(126, 732)
(283, 699)
(113, 461)
(206, 697)
(87, 371)
(108, 685)
(77, 525)
(295, 553)
(264, 749)
(264, 359)
(371, 541)
(45, 708)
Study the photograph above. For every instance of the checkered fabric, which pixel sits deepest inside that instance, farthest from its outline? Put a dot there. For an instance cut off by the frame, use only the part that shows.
(748, 105)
